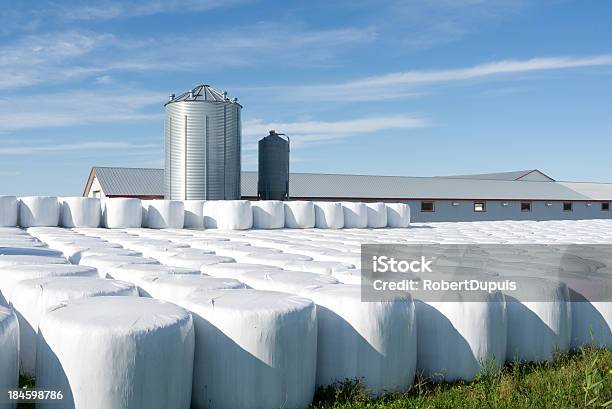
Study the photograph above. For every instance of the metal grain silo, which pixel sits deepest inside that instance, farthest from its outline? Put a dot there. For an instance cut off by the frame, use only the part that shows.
(273, 182)
(203, 136)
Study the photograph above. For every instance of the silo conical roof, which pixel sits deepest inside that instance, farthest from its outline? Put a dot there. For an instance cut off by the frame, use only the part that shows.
(202, 93)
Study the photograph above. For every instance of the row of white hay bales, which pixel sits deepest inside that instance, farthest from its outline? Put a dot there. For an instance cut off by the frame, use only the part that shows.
(260, 348)
(48, 211)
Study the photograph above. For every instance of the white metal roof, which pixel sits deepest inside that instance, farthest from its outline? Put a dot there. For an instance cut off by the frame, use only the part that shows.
(149, 182)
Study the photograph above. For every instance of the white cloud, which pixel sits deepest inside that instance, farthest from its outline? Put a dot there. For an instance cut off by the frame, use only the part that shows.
(411, 83)
(79, 107)
(72, 147)
(105, 10)
(66, 56)
(317, 132)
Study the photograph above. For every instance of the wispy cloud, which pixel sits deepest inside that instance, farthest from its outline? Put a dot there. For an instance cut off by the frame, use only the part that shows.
(53, 58)
(72, 147)
(411, 83)
(79, 107)
(105, 10)
(317, 132)
(50, 58)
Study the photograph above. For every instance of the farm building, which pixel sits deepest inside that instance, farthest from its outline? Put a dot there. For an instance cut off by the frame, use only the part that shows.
(519, 195)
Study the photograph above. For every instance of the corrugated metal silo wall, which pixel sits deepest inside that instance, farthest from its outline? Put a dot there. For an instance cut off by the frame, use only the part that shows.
(273, 175)
(202, 150)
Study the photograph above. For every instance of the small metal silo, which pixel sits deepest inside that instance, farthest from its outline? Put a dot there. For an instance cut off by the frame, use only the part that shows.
(273, 182)
(203, 140)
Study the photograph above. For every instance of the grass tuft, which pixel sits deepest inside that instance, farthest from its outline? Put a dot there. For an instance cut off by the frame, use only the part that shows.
(580, 379)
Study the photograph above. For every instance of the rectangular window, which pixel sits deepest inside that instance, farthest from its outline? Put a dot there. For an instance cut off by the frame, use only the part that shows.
(525, 206)
(96, 193)
(480, 207)
(605, 207)
(567, 206)
(427, 207)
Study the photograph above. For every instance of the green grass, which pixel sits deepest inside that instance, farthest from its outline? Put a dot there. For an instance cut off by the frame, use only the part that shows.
(576, 380)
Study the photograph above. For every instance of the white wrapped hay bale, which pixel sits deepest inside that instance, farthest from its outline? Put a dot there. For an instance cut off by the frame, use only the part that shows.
(9, 353)
(398, 215)
(9, 211)
(194, 218)
(30, 251)
(292, 282)
(319, 267)
(328, 215)
(20, 259)
(377, 215)
(254, 349)
(176, 287)
(75, 254)
(191, 259)
(104, 262)
(116, 352)
(80, 212)
(38, 211)
(541, 325)
(32, 298)
(299, 214)
(133, 273)
(228, 214)
(456, 335)
(355, 215)
(273, 259)
(591, 308)
(235, 270)
(165, 214)
(122, 213)
(10, 276)
(375, 341)
(268, 214)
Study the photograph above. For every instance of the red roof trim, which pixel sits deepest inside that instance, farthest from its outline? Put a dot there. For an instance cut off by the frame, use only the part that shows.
(433, 199)
(137, 196)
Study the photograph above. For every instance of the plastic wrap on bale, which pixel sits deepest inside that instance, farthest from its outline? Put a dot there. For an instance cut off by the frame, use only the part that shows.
(32, 298)
(235, 270)
(165, 214)
(133, 273)
(194, 218)
(328, 215)
(191, 259)
(591, 307)
(292, 282)
(355, 215)
(176, 287)
(11, 275)
(539, 319)
(9, 211)
(38, 211)
(228, 214)
(9, 353)
(398, 215)
(254, 349)
(373, 341)
(104, 262)
(299, 214)
(122, 213)
(457, 335)
(268, 214)
(80, 212)
(377, 215)
(116, 352)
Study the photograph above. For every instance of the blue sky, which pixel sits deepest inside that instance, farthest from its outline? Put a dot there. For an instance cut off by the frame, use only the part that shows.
(411, 87)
